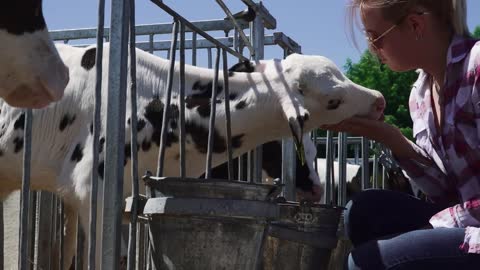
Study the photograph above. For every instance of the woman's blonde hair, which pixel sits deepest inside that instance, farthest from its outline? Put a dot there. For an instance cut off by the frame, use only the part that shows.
(452, 13)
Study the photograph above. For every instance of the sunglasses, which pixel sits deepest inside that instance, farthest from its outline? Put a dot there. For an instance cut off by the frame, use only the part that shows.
(375, 43)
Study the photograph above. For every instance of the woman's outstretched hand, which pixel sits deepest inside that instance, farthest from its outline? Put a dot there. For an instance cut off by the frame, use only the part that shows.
(377, 130)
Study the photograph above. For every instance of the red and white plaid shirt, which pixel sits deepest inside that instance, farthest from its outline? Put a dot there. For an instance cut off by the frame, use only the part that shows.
(454, 175)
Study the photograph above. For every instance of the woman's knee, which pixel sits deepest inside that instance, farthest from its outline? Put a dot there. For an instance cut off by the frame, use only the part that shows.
(359, 212)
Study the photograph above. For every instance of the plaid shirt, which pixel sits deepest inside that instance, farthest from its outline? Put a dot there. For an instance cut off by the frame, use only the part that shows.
(454, 151)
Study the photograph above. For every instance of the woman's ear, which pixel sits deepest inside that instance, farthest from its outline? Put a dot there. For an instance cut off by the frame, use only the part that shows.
(416, 23)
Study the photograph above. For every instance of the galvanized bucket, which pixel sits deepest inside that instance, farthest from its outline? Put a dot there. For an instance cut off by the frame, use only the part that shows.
(208, 224)
(302, 238)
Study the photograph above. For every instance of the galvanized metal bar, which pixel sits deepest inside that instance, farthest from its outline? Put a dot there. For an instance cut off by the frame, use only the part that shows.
(269, 21)
(286, 42)
(209, 58)
(228, 120)
(365, 164)
(195, 29)
(164, 45)
(314, 138)
(211, 124)
(2, 235)
(238, 28)
(183, 170)
(168, 99)
(115, 137)
(375, 171)
(92, 229)
(46, 211)
(147, 29)
(342, 166)
(194, 48)
(329, 168)
(288, 169)
(258, 45)
(25, 193)
(61, 242)
(132, 239)
(80, 244)
(32, 233)
(150, 43)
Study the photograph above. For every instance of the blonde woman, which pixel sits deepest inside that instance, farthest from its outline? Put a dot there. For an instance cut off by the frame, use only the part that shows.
(395, 231)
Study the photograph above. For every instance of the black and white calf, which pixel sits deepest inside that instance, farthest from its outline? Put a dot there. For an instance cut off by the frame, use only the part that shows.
(31, 72)
(280, 96)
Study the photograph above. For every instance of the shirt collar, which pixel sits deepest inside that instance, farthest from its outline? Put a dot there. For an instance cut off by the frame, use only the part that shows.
(459, 48)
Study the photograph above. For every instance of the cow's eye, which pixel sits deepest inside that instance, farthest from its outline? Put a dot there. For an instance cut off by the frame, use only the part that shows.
(333, 104)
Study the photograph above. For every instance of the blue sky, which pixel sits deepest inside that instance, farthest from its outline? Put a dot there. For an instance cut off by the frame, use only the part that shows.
(317, 25)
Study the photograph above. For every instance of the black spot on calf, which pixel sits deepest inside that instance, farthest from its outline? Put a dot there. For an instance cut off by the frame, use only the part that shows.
(67, 120)
(140, 124)
(244, 66)
(18, 142)
(237, 141)
(77, 154)
(20, 122)
(88, 58)
(146, 145)
(199, 136)
(241, 105)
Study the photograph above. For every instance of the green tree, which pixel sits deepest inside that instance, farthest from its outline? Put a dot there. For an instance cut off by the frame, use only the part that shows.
(395, 87)
(476, 32)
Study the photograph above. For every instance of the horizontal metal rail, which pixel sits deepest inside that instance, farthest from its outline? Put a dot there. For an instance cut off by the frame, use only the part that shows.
(196, 29)
(277, 38)
(147, 29)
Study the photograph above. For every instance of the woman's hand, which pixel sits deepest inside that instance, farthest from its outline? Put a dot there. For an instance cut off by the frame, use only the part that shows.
(384, 133)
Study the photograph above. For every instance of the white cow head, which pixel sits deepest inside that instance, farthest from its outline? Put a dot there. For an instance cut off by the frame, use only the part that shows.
(31, 71)
(314, 88)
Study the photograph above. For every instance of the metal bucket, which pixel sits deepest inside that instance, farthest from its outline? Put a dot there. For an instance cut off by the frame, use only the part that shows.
(208, 224)
(302, 238)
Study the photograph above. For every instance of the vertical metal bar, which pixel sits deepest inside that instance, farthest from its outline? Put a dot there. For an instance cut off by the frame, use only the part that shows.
(92, 236)
(32, 227)
(228, 124)
(46, 210)
(150, 43)
(329, 168)
(80, 244)
(61, 238)
(365, 164)
(357, 152)
(211, 125)
(342, 166)
(183, 171)
(288, 170)
(115, 137)
(25, 195)
(168, 99)
(194, 48)
(141, 247)
(258, 53)
(2, 235)
(132, 240)
(315, 142)
(209, 58)
(375, 171)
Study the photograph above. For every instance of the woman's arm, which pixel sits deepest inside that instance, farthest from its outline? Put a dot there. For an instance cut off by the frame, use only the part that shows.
(386, 134)
(416, 163)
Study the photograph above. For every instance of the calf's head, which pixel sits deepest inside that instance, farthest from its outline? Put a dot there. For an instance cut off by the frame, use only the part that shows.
(313, 92)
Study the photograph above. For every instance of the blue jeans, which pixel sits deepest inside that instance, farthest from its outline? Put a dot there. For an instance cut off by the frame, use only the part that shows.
(385, 230)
